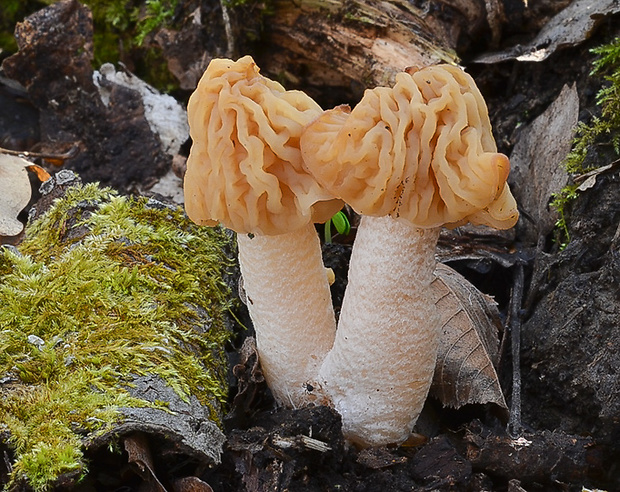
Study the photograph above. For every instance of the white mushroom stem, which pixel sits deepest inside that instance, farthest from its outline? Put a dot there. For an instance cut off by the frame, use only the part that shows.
(289, 301)
(379, 371)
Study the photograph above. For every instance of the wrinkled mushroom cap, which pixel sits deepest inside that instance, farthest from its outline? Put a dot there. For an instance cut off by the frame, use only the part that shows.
(422, 150)
(245, 169)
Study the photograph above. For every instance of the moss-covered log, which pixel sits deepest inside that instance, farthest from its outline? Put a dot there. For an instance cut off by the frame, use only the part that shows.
(113, 320)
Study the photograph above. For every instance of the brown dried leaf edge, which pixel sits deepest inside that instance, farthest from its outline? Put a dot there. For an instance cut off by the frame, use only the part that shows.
(468, 347)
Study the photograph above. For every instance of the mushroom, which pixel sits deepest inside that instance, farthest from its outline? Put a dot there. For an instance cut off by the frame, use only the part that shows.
(410, 159)
(245, 171)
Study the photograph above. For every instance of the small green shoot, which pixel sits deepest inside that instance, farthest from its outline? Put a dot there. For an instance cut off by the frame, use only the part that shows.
(340, 222)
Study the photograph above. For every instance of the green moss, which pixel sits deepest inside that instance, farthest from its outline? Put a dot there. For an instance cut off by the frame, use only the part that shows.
(105, 288)
(603, 130)
(121, 27)
(561, 202)
(158, 13)
(600, 135)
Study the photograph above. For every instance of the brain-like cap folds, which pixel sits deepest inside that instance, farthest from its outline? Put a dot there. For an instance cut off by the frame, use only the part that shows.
(422, 150)
(245, 168)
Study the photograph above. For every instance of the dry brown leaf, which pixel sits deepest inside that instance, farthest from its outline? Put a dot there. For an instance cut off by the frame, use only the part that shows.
(588, 180)
(468, 350)
(41, 174)
(139, 455)
(15, 192)
(191, 484)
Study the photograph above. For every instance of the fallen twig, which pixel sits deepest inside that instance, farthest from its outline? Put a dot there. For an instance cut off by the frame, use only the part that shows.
(56, 159)
(514, 427)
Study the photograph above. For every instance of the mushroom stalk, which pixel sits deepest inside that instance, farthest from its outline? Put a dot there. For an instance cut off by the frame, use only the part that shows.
(379, 371)
(289, 300)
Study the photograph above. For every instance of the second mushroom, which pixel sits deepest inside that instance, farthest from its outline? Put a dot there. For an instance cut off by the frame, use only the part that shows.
(409, 159)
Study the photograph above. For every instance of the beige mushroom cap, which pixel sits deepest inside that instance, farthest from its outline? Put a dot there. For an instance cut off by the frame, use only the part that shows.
(422, 150)
(245, 168)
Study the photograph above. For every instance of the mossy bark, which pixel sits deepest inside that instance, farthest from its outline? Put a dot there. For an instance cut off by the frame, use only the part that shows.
(113, 320)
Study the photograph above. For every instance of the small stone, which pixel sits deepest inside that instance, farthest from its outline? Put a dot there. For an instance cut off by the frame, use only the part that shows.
(11, 248)
(37, 341)
(65, 176)
(47, 186)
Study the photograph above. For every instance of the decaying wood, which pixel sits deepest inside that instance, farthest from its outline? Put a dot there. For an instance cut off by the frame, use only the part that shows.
(286, 445)
(540, 457)
(139, 455)
(328, 44)
(571, 26)
(181, 425)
